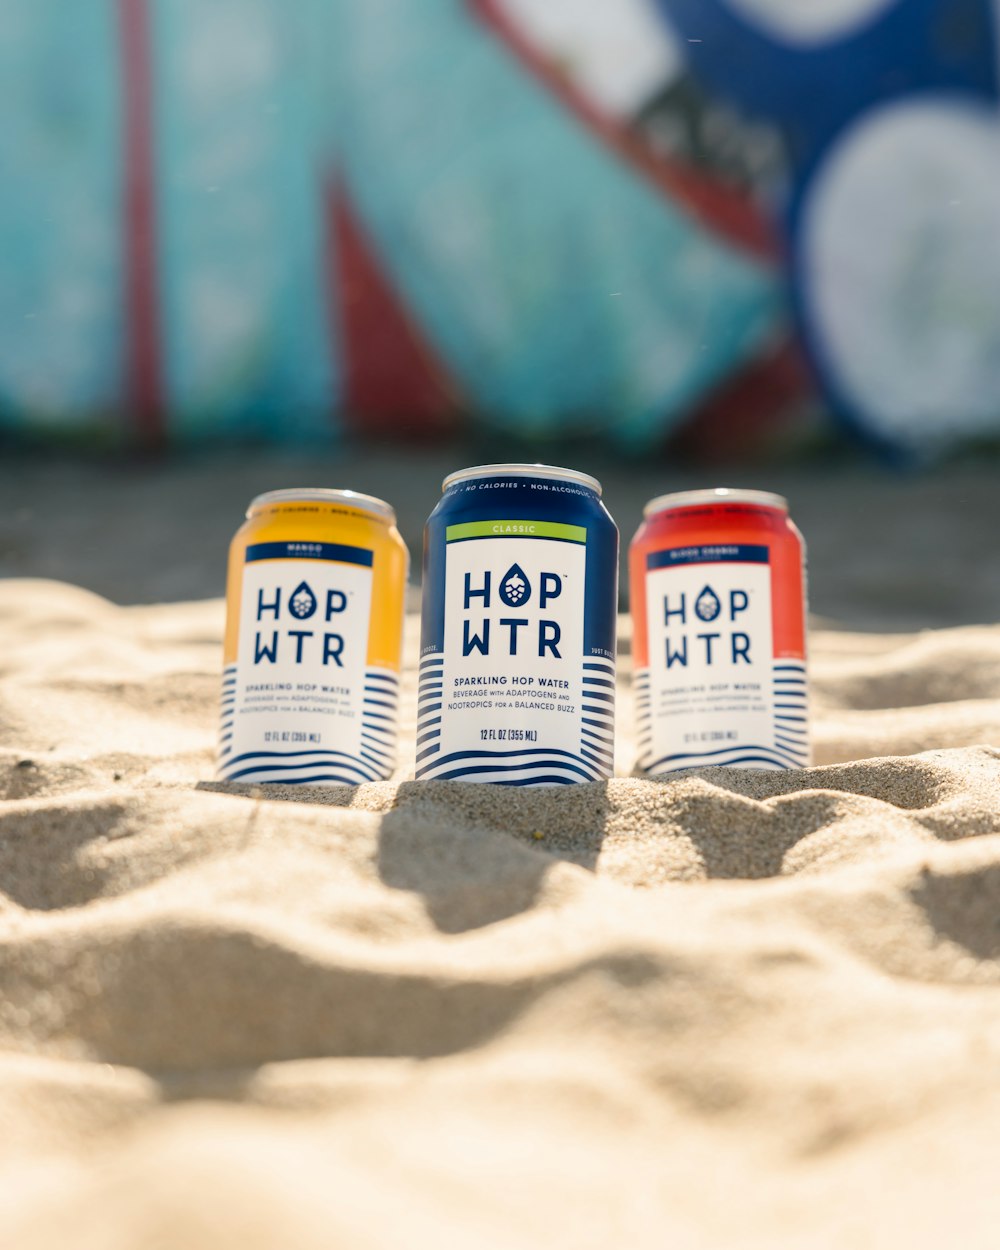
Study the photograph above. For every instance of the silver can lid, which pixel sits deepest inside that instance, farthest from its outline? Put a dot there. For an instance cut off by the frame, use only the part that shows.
(320, 494)
(717, 494)
(522, 470)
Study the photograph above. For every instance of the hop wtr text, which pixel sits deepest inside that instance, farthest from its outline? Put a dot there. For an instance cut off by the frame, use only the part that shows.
(308, 644)
(706, 609)
(514, 591)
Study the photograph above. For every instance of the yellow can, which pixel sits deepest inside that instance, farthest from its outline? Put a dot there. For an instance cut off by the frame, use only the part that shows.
(314, 634)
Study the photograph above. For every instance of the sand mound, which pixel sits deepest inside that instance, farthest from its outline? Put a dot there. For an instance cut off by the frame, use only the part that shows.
(732, 1009)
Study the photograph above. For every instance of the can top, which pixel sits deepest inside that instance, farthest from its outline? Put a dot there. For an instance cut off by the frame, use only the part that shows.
(522, 470)
(319, 494)
(717, 494)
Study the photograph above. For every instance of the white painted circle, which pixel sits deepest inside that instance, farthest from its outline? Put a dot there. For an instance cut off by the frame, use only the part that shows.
(810, 22)
(900, 269)
(618, 52)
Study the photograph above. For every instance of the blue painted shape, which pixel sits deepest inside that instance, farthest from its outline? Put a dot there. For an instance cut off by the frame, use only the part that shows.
(561, 289)
(812, 90)
(60, 214)
(242, 126)
(895, 445)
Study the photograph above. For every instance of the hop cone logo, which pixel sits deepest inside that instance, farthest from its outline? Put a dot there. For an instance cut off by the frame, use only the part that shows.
(515, 587)
(302, 602)
(707, 605)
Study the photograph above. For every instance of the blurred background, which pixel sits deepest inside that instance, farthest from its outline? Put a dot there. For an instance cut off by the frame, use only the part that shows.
(629, 233)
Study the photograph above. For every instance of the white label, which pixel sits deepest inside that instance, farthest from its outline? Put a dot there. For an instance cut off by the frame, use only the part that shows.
(514, 690)
(300, 672)
(711, 658)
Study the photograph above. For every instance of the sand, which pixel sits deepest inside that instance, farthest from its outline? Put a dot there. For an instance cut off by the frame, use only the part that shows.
(734, 1009)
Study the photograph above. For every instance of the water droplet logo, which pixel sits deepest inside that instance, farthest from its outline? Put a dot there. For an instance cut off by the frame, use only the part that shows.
(515, 588)
(302, 602)
(707, 605)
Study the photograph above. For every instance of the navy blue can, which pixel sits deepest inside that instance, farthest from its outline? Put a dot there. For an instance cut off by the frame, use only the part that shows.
(517, 649)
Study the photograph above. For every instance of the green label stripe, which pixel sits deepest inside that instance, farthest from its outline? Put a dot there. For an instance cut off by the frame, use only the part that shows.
(516, 529)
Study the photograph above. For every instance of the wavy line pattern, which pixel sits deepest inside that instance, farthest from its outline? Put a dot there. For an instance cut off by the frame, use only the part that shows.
(376, 760)
(788, 746)
(520, 766)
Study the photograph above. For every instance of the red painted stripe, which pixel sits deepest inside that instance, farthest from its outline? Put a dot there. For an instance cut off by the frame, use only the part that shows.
(394, 381)
(144, 384)
(749, 409)
(732, 214)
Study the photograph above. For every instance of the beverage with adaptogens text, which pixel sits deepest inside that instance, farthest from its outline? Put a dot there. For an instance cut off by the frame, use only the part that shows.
(314, 626)
(717, 581)
(517, 661)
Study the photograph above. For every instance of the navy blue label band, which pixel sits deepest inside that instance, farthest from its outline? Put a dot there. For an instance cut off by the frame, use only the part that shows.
(714, 553)
(310, 551)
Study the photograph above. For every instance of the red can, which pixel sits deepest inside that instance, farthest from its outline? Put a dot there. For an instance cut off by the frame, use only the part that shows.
(718, 591)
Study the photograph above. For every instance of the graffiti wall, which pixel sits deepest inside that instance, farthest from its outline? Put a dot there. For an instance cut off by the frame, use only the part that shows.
(639, 219)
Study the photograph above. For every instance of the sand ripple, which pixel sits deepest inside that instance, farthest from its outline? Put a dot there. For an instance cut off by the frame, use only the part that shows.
(732, 1009)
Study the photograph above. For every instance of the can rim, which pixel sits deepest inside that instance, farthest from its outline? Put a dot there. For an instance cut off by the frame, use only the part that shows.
(322, 494)
(715, 494)
(523, 470)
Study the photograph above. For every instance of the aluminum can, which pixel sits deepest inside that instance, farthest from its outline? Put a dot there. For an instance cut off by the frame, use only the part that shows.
(718, 594)
(314, 627)
(517, 661)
